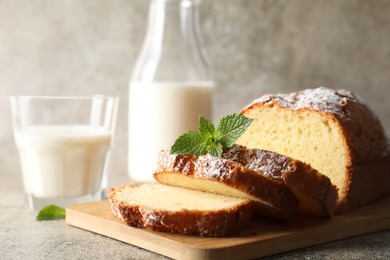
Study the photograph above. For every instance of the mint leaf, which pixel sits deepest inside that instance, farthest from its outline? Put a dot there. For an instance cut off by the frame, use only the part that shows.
(190, 143)
(215, 149)
(51, 212)
(209, 139)
(206, 128)
(230, 128)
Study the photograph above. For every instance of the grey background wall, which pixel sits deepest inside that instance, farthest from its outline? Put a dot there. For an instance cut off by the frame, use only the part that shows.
(73, 47)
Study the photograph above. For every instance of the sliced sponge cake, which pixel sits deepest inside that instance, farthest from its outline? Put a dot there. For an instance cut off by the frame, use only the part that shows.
(316, 194)
(177, 210)
(332, 130)
(271, 198)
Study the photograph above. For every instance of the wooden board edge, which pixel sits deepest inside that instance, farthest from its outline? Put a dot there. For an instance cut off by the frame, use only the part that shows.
(166, 245)
(294, 241)
(137, 237)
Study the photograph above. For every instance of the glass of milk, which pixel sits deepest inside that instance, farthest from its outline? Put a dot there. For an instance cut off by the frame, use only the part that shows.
(64, 145)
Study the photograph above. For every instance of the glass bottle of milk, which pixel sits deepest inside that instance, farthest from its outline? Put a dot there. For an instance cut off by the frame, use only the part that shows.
(171, 86)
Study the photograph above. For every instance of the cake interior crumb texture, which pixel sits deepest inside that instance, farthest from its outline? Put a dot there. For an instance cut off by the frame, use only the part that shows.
(175, 198)
(309, 137)
(181, 180)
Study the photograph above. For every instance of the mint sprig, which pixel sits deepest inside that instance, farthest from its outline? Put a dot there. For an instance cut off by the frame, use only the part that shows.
(210, 139)
(51, 212)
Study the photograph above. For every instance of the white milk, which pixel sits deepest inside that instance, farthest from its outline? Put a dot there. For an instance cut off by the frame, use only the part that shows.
(63, 161)
(159, 114)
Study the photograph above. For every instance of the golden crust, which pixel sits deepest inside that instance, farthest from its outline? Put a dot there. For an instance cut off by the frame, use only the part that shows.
(368, 182)
(272, 198)
(316, 194)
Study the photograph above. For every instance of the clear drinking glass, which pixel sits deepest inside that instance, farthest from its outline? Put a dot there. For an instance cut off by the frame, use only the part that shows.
(64, 145)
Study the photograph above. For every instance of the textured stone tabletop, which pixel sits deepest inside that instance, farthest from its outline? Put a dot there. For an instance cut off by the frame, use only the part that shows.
(21, 237)
(72, 47)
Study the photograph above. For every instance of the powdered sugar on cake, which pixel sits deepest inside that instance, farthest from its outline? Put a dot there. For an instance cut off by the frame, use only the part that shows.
(266, 162)
(213, 167)
(206, 165)
(175, 163)
(271, 164)
(321, 99)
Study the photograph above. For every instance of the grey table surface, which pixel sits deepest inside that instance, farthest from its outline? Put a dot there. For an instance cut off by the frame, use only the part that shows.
(21, 237)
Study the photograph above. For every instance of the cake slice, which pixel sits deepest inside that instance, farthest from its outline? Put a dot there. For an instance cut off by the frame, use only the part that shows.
(332, 130)
(316, 194)
(177, 210)
(271, 197)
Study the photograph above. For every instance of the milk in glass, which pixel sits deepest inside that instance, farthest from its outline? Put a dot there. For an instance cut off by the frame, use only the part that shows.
(63, 161)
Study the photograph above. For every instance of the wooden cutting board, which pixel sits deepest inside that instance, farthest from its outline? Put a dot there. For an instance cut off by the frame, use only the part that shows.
(263, 238)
